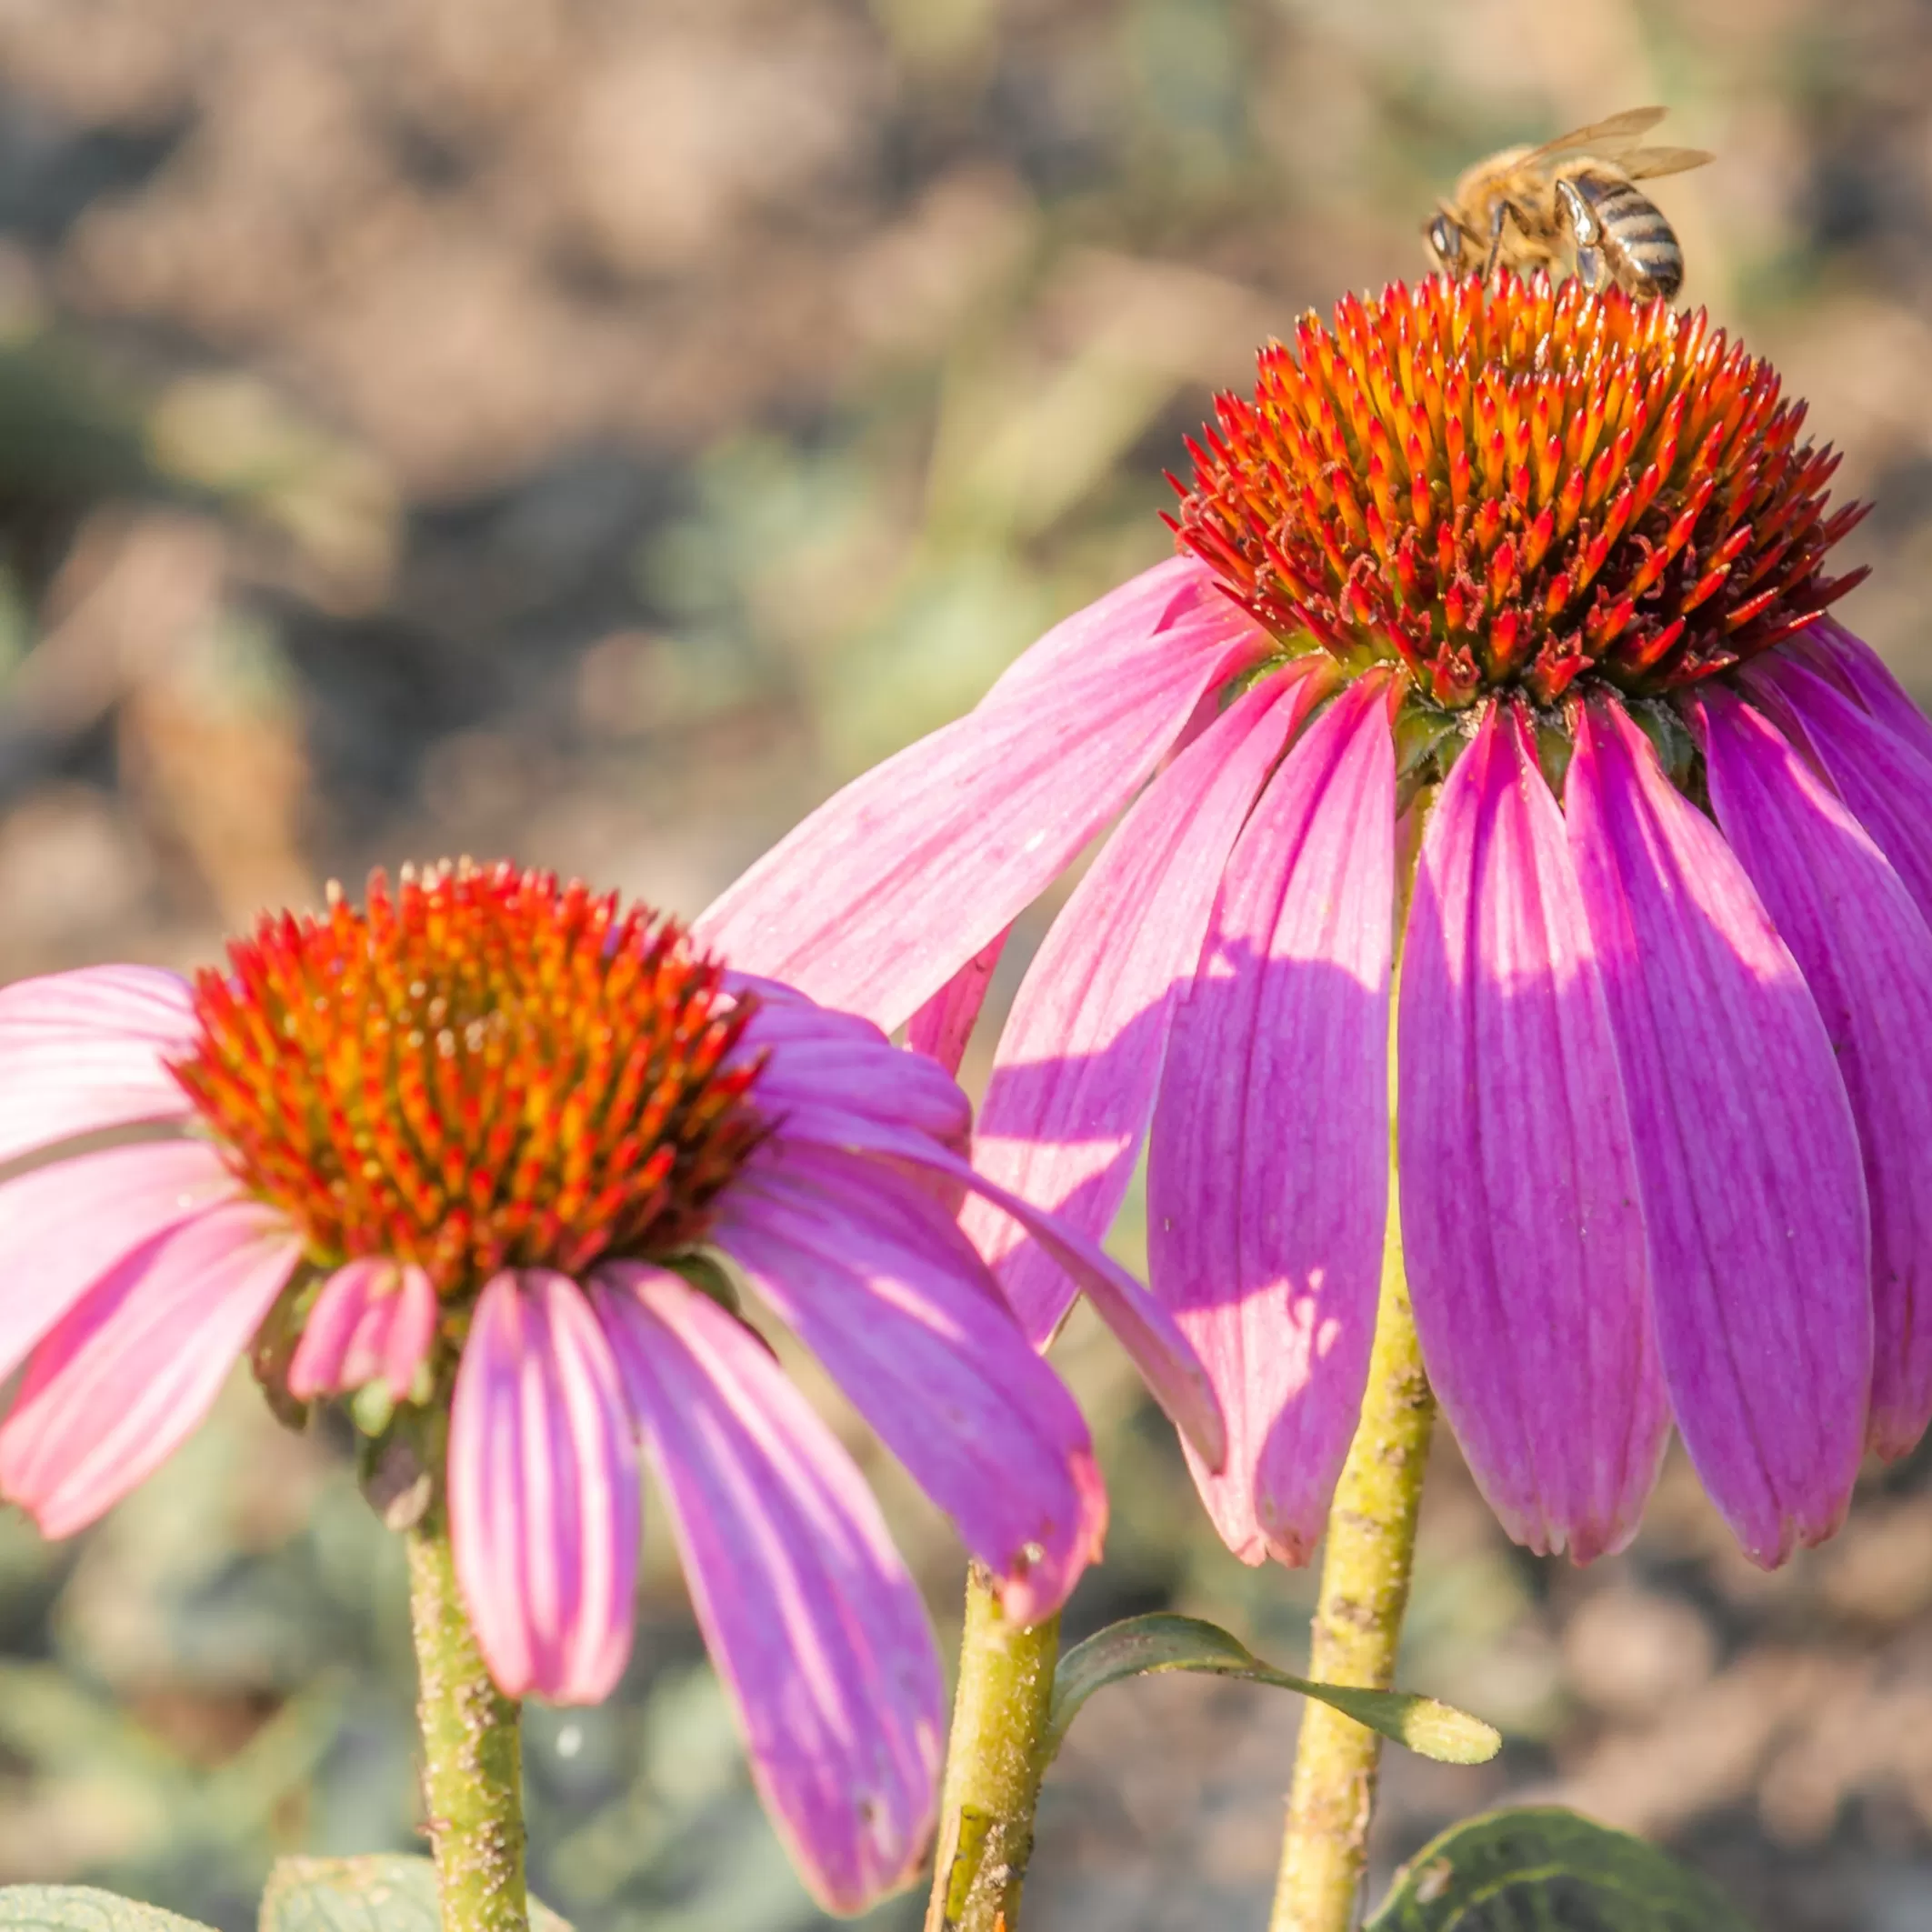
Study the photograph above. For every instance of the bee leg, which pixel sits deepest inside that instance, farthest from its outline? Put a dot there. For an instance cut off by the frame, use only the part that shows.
(1502, 214)
(1586, 237)
(1498, 214)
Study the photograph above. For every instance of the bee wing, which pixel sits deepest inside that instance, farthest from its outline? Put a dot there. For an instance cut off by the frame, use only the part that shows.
(1646, 164)
(1608, 139)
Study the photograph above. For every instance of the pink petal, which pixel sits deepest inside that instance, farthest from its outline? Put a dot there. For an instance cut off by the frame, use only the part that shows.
(815, 1627)
(862, 1094)
(1175, 591)
(83, 1051)
(884, 892)
(65, 1225)
(1145, 1329)
(816, 1058)
(544, 1503)
(1153, 1340)
(1267, 1175)
(1753, 1197)
(1879, 775)
(129, 1372)
(1522, 1223)
(1866, 955)
(374, 1317)
(1078, 1065)
(1870, 679)
(875, 1279)
(942, 1026)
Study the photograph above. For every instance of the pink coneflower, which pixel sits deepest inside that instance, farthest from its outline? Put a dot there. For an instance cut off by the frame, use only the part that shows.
(515, 1153)
(1664, 1076)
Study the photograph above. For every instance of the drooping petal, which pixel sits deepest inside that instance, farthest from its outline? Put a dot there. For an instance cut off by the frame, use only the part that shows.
(374, 1317)
(1753, 1197)
(885, 891)
(65, 1225)
(1079, 1060)
(1522, 1222)
(1870, 680)
(129, 1372)
(877, 1281)
(832, 1079)
(1880, 775)
(1866, 955)
(1267, 1172)
(83, 1051)
(1153, 1340)
(815, 1627)
(942, 1026)
(543, 1498)
(816, 1057)
(1127, 622)
(1145, 1330)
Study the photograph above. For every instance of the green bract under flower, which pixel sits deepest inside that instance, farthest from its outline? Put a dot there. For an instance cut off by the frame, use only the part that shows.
(1516, 487)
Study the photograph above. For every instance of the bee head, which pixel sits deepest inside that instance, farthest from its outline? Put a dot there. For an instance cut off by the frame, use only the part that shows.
(1444, 235)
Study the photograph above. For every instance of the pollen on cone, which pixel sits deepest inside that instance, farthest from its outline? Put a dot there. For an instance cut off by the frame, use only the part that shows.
(481, 1069)
(1510, 487)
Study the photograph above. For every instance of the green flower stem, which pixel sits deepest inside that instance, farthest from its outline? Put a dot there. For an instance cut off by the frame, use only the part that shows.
(1371, 1546)
(1370, 1549)
(472, 1751)
(994, 1766)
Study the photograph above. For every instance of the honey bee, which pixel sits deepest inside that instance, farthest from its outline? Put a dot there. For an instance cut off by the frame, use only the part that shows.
(1572, 200)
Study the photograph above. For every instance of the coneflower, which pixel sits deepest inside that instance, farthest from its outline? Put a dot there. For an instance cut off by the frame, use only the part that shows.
(1551, 564)
(512, 1152)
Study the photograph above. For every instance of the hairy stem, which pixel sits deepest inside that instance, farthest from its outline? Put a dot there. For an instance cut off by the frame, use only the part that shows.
(1370, 1549)
(1358, 1621)
(472, 1751)
(994, 1766)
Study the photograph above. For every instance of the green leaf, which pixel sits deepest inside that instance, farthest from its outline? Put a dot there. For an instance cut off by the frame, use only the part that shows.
(1144, 1645)
(386, 1893)
(1542, 1869)
(84, 1908)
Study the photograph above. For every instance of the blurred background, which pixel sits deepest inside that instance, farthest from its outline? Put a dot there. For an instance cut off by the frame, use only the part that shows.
(590, 430)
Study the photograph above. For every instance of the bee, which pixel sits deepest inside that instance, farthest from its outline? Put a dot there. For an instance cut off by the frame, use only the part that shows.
(1573, 200)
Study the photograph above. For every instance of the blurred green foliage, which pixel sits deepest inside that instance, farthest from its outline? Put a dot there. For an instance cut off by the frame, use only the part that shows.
(1542, 1865)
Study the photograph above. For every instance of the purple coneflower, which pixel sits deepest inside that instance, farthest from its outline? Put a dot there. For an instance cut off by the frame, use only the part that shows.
(1664, 1069)
(513, 1152)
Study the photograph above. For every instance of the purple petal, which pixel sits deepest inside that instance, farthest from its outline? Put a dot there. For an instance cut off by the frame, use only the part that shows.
(1075, 1074)
(1176, 591)
(83, 1051)
(1869, 678)
(1753, 1197)
(1267, 1175)
(1149, 1335)
(942, 1026)
(815, 1627)
(884, 892)
(877, 1280)
(129, 1372)
(65, 1225)
(817, 1059)
(1521, 1217)
(1881, 777)
(1866, 955)
(1153, 1340)
(544, 1503)
(374, 1317)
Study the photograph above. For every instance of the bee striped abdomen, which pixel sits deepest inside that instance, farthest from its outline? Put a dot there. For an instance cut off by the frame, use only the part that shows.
(1636, 237)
